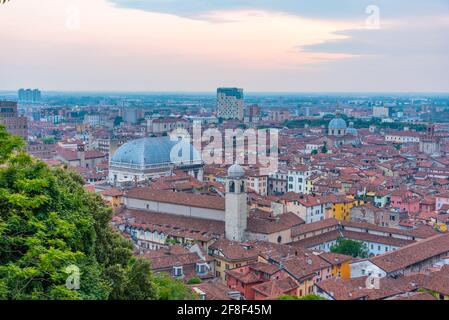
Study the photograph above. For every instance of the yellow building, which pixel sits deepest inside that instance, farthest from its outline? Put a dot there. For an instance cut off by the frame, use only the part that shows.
(340, 264)
(229, 255)
(342, 270)
(342, 208)
(310, 182)
(113, 197)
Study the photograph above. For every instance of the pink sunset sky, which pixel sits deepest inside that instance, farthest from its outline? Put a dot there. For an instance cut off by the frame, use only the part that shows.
(145, 46)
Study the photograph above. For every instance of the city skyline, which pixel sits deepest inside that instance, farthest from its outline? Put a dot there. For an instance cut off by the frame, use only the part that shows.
(286, 47)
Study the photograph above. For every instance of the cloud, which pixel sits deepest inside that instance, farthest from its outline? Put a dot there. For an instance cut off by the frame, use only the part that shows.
(410, 37)
(259, 45)
(341, 9)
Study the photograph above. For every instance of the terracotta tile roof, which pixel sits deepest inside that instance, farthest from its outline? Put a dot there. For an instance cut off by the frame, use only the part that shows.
(213, 290)
(265, 268)
(420, 232)
(263, 223)
(355, 288)
(438, 281)
(413, 253)
(359, 236)
(71, 155)
(168, 261)
(314, 226)
(172, 250)
(304, 265)
(194, 228)
(112, 192)
(275, 288)
(179, 198)
(250, 250)
(316, 240)
(335, 258)
(246, 276)
(417, 296)
(233, 250)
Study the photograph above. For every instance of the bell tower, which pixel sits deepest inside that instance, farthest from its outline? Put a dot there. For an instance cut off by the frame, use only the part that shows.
(81, 154)
(236, 214)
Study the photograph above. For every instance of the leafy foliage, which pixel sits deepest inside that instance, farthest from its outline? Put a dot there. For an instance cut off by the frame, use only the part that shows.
(170, 289)
(48, 222)
(117, 121)
(194, 281)
(324, 148)
(350, 247)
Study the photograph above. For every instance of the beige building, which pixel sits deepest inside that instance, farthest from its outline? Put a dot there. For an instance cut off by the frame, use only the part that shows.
(381, 112)
(10, 118)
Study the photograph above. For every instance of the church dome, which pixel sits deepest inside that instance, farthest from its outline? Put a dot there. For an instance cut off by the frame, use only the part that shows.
(236, 171)
(154, 151)
(352, 131)
(337, 124)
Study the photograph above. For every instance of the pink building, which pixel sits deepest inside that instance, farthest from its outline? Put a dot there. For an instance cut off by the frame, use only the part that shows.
(243, 279)
(405, 201)
(441, 200)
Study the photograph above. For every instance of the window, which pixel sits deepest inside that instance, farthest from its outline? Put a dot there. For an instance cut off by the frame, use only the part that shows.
(201, 268)
(177, 271)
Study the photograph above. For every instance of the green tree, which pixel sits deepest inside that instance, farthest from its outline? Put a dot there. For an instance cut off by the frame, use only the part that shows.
(194, 281)
(356, 249)
(9, 144)
(314, 152)
(117, 121)
(170, 289)
(49, 140)
(324, 148)
(49, 222)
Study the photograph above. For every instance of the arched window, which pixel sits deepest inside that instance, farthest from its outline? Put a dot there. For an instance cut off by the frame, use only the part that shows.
(231, 186)
(242, 187)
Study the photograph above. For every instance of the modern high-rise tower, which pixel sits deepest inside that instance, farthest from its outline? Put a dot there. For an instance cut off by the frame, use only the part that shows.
(230, 103)
(29, 95)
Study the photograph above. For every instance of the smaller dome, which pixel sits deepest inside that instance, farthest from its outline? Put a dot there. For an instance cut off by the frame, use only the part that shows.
(236, 171)
(337, 123)
(352, 131)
